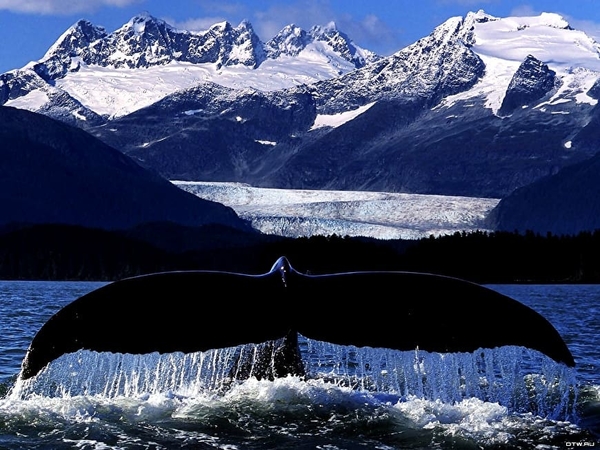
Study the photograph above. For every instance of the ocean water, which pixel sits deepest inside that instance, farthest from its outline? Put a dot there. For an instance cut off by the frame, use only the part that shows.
(507, 398)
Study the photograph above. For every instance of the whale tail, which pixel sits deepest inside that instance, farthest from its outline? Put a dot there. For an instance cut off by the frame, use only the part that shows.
(272, 359)
(192, 311)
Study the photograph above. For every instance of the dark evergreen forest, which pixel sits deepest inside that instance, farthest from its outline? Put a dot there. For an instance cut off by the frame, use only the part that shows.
(56, 252)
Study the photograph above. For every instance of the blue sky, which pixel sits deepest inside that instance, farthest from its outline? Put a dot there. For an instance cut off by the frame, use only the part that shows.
(29, 27)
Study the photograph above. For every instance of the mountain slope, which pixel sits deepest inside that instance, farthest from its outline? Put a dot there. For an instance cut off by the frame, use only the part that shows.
(565, 203)
(55, 173)
(443, 131)
(434, 67)
(211, 132)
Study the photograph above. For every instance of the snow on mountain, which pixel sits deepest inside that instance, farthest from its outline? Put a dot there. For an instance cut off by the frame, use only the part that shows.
(504, 43)
(473, 57)
(147, 59)
(118, 92)
(336, 120)
(56, 62)
(381, 215)
(294, 41)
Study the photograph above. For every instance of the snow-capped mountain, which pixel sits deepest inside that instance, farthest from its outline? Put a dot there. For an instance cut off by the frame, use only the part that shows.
(114, 74)
(293, 40)
(480, 107)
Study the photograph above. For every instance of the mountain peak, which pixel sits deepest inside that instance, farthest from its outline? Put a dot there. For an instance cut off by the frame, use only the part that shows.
(144, 16)
(291, 40)
(85, 54)
(328, 28)
(140, 21)
(146, 41)
(480, 17)
(341, 44)
(78, 36)
(221, 26)
(144, 23)
(245, 24)
(545, 19)
(554, 20)
(532, 81)
(291, 31)
(326, 40)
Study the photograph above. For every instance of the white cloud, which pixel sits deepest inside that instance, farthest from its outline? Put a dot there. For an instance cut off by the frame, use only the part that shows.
(371, 33)
(468, 3)
(524, 11)
(61, 7)
(302, 13)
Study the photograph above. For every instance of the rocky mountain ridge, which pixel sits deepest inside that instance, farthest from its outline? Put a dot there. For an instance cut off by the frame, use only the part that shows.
(86, 54)
(481, 107)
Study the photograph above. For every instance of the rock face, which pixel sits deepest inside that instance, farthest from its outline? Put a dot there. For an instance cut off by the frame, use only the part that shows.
(212, 137)
(52, 173)
(146, 41)
(531, 82)
(434, 67)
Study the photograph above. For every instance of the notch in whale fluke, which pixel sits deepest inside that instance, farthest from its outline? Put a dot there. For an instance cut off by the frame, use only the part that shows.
(193, 311)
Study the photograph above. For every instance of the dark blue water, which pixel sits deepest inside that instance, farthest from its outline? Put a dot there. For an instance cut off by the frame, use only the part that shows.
(504, 398)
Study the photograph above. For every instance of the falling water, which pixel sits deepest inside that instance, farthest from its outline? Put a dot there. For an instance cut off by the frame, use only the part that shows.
(522, 380)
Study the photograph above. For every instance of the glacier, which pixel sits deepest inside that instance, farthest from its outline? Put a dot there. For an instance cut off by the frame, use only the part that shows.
(380, 215)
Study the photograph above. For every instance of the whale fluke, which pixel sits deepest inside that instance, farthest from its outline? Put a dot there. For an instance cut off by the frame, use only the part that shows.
(191, 311)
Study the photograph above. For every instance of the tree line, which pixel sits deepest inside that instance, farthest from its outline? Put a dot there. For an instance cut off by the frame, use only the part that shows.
(57, 252)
